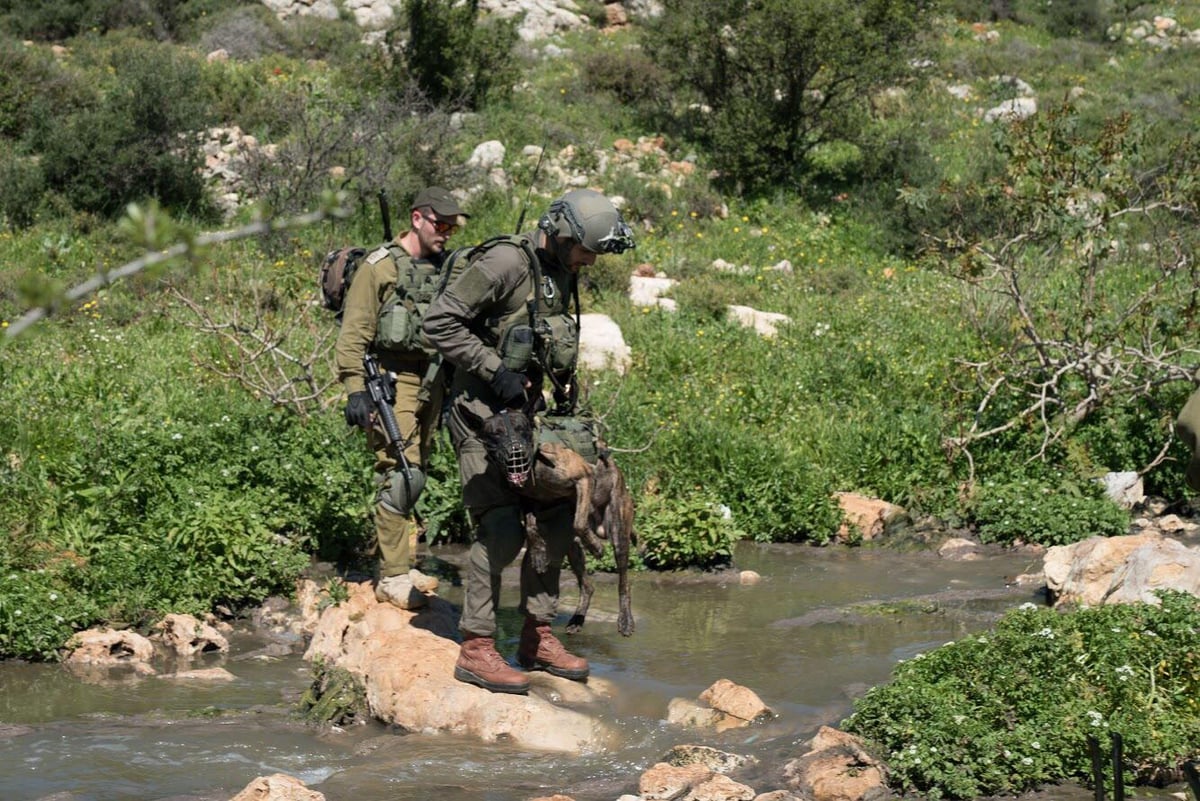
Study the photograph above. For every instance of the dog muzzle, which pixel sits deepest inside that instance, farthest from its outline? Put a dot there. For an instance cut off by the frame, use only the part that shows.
(518, 464)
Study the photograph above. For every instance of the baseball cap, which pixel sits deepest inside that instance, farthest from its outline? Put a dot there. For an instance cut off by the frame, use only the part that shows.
(440, 200)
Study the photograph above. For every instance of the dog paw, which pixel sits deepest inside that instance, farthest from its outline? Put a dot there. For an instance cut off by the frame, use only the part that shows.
(625, 624)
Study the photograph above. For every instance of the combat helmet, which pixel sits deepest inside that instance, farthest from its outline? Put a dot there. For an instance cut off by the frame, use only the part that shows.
(589, 218)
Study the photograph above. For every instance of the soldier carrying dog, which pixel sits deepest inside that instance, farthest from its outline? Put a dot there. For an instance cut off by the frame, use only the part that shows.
(505, 323)
(374, 301)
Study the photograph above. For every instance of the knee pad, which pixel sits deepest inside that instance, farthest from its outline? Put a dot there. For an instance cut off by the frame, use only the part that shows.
(399, 491)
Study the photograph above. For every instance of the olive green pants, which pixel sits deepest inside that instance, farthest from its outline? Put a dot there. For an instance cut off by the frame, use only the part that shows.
(417, 422)
(499, 536)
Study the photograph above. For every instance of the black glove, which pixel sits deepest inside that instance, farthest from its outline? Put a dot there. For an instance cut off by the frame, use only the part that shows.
(509, 387)
(359, 409)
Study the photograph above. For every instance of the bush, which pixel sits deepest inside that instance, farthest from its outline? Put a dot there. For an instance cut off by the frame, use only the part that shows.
(779, 78)
(457, 59)
(22, 185)
(1009, 711)
(682, 531)
(1032, 512)
(137, 142)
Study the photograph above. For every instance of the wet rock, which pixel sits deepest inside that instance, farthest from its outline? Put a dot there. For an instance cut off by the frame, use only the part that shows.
(277, 787)
(735, 700)
(747, 577)
(405, 662)
(960, 550)
(869, 518)
(837, 768)
(8, 731)
(711, 758)
(184, 635)
(207, 674)
(108, 647)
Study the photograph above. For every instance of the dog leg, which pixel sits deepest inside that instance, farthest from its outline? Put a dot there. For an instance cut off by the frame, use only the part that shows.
(578, 562)
(534, 542)
(618, 525)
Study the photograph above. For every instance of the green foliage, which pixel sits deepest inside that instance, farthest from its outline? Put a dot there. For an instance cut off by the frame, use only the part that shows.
(159, 19)
(21, 185)
(455, 57)
(691, 530)
(1030, 511)
(132, 144)
(1009, 711)
(128, 495)
(778, 78)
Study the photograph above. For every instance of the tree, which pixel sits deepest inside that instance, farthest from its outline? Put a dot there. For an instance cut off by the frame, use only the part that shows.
(1083, 295)
(775, 78)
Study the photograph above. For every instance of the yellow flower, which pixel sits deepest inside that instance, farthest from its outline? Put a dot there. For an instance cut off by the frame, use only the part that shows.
(4, 324)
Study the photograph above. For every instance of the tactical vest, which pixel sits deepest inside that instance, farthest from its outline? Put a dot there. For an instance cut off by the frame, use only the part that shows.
(418, 281)
(542, 332)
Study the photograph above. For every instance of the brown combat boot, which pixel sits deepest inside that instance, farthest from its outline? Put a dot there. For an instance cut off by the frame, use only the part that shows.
(541, 650)
(480, 664)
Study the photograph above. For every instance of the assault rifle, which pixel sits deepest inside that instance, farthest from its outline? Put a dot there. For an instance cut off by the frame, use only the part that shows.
(382, 387)
(386, 214)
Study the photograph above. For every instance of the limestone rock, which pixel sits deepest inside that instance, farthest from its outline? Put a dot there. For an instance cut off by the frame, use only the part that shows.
(405, 661)
(108, 647)
(869, 518)
(602, 345)
(837, 768)
(186, 636)
(1125, 569)
(277, 787)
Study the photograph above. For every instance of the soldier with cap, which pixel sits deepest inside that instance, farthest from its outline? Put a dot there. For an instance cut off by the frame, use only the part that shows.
(504, 324)
(413, 258)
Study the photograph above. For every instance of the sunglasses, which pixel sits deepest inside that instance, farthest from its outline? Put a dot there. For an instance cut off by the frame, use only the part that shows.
(441, 226)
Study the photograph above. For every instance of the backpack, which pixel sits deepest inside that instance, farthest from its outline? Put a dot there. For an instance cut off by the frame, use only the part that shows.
(337, 271)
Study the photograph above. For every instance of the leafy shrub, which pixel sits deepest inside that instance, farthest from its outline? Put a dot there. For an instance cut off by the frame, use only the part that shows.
(456, 58)
(628, 73)
(1009, 711)
(244, 32)
(681, 531)
(133, 145)
(1031, 511)
(779, 78)
(21, 188)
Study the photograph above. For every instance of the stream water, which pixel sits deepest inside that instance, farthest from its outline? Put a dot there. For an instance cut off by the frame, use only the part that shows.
(804, 638)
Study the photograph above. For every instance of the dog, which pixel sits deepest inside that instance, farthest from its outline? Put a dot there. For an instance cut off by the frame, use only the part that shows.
(550, 471)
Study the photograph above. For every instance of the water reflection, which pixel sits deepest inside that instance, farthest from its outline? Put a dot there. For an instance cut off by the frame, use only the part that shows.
(821, 626)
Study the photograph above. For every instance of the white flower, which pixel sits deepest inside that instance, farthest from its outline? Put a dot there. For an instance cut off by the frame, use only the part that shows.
(54, 596)
(177, 436)
(1035, 745)
(1028, 605)
(1096, 718)
(1046, 632)
(1026, 761)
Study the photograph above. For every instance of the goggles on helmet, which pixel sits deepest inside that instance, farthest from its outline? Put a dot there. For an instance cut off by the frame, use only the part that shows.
(616, 241)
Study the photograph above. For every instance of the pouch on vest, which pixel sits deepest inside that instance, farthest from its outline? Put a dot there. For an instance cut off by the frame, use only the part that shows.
(576, 433)
(399, 326)
(516, 348)
(560, 342)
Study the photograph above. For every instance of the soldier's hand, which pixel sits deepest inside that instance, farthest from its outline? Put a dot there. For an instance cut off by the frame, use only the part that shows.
(359, 410)
(509, 387)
